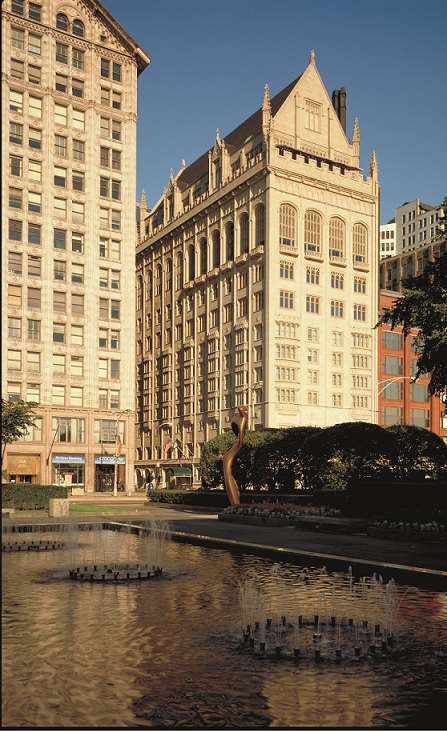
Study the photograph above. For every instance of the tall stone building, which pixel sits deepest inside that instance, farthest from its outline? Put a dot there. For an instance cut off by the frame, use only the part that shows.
(69, 96)
(257, 283)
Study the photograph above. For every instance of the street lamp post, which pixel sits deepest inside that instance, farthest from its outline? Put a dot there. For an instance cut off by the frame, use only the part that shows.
(117, 450)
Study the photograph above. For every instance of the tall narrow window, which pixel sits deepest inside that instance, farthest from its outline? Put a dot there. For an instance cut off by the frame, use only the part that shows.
(336, 239)
(260, 225)
(229, 241)
(203, 256)
(62, 22)
(360, 244)
(244, 233)
(287, 225)
(216, 249)
(191, 262)
(312, 233)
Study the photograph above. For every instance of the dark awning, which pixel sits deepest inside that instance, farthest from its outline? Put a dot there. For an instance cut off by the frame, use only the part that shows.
(180, 472)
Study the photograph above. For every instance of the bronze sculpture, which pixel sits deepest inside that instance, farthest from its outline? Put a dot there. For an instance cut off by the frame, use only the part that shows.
(239, 427)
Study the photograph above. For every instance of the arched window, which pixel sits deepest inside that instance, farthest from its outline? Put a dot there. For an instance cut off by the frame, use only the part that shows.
(191, 263)
(78, 28)
(312, 233)
(148, 284)
(259, 225)
(62, 22)
(359, 244)
(287, 225)
(243, 233)
(337, 238)
(216, 249)
(229, 241)
(168, 274)
(203, 256)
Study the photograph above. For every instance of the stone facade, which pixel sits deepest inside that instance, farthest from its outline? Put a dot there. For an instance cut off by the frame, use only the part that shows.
(257, 284)
(69, 95)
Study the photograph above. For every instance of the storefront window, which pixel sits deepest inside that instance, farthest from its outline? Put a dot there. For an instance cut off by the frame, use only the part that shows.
(68, 470)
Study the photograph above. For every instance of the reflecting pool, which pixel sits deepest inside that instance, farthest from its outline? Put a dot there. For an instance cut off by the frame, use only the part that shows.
(168, 653)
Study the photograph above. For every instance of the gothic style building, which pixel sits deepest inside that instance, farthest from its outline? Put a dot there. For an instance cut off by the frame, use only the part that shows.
(257, 283)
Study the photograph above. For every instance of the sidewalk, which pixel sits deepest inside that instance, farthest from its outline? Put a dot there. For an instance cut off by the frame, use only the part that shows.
(366, 554)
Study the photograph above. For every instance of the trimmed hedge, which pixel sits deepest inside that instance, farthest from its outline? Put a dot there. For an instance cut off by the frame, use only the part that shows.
(218, 498)
(30, 496)
(416, 500)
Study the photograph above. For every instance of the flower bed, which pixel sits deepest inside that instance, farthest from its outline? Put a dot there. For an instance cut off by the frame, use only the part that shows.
(275, 514)
(428, 531)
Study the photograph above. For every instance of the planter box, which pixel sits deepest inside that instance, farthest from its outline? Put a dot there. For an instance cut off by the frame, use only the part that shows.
(255, 520)
(58, 507)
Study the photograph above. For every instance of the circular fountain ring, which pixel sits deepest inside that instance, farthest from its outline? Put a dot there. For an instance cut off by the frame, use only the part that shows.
(302, 640)
(115, 572)
(33, 546)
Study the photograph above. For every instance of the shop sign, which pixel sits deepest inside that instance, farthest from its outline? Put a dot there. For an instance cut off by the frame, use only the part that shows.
(110, 460)
(78, 459)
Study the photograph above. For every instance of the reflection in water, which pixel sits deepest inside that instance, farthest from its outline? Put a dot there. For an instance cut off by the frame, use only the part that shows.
(163, 654)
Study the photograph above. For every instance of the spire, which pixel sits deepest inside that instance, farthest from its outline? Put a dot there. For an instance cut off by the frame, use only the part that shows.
(266, 111)
(356, 132)
(312, 56)
(218, 140)
(373, 168)
(143, 201)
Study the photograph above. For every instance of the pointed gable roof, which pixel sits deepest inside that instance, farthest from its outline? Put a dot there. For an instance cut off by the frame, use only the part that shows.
(141, 56)
(236, 138)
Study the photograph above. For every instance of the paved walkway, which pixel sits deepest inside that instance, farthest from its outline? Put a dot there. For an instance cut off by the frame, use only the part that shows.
(390, 557)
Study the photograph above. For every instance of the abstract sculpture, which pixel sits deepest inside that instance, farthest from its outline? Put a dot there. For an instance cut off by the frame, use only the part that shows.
(239, 427)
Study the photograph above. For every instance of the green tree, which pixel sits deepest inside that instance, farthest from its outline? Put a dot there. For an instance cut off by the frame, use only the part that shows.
(211, 459)
(17, 417)
(419, 453)
(348, 451)
(282, 461)
(423, 306)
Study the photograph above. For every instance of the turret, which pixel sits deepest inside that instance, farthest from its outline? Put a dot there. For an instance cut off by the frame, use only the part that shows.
(266, 112)
(356, 142)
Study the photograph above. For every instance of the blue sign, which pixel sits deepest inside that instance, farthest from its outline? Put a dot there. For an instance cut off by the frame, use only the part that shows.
(68, 459)
(110, 460)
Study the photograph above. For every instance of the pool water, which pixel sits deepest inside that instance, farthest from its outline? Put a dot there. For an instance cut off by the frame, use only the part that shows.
(167, 653)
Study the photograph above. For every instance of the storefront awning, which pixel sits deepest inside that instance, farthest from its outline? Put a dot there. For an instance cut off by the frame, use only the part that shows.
(180, 472)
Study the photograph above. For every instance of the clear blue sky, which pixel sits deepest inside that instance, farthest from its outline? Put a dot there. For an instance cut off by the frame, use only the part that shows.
(210, 62)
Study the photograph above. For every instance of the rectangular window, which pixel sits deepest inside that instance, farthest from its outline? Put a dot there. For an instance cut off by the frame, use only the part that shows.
(392, 365)
(15, 133)
(77, 335)
(62, 53)
(360, 285)
(105, 68)
(116, 130)
(35, 170)
(60, 146)
(15, 198)
(359, 312)
(34, 234)
(34, 12)
(15, 230)
(77, 274)
(59, 270)
(103, 308)
(59, 302)
(116, 100)
(77, 304)
(60, 177)
(58, 333)
(77, 242)
(104, 157)
(286, 299)
(34, 202)
(34, 74)
(15, 263)
(394, 390)
(17, 69)
(58, 394)
(33, 393)
(17, 38)
(59, 238)
(79, 150)
(312, 115)
(33, 332)
(392, 341)
(15, 296)
(14, 327)
(337, 280)
(60, 208)
(77, 212)
(116, 160)
(115, 309)
(34, 266)
(35, 107)
(420, 417)
(78, 180)
(33, 361)
(77, 365)
(34, 44)
(116, 190)
(15, 166)
(15, 360)
(116, 220)
(392, 415)
(337, 308)
(34, 298)
(16, 102)
(18, 7)
(60, 115)
(312, 304)
(104, 127)
(78, 119)
(104, 186)
(105, 96)
(77, 88)
(61, 84)
(77, 58)
(116, 72)
(419, 393)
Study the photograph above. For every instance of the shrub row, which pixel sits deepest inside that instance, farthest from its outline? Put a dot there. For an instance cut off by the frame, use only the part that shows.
(30, 496)
(218, 498)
